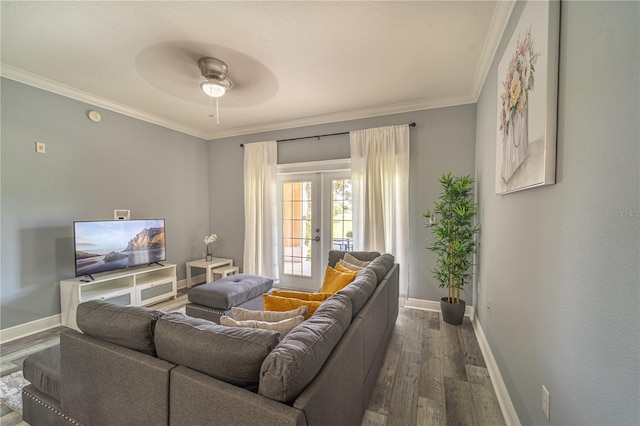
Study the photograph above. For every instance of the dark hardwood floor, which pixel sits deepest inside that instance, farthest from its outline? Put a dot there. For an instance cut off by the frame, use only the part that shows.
(433, 373)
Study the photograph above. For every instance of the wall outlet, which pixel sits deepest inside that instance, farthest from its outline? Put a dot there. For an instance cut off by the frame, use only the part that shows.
(545, 401)
(40, 147)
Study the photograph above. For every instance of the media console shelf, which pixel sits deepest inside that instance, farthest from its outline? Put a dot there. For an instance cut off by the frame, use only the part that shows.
(137, 287)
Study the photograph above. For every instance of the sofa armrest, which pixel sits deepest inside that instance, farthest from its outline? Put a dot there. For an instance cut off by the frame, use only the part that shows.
(106, 384)
(198, 399)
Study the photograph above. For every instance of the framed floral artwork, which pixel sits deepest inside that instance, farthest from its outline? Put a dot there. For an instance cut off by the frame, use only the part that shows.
(527, 100)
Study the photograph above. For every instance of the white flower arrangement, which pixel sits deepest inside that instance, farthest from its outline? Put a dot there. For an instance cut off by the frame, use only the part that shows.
(519, 80)
(208, 241)
(211, 239)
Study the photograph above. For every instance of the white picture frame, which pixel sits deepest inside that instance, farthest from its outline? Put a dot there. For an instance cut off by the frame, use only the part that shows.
(527, 101)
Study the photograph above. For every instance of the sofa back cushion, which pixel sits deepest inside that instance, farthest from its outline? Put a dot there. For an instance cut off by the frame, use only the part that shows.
(381, 265)
(233, 355)
(128, 326)
(360, 290)
(293, 364)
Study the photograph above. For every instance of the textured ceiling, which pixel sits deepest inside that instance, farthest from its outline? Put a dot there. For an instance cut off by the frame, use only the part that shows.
(292, 63)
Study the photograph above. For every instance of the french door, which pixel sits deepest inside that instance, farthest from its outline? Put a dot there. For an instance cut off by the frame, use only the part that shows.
(314, 213)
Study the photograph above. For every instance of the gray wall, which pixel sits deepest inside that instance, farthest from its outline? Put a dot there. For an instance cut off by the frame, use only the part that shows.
(89, 170)
(442, 141)
(561, 263)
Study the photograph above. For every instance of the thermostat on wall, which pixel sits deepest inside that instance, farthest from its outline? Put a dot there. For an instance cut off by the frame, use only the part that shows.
(94, 116)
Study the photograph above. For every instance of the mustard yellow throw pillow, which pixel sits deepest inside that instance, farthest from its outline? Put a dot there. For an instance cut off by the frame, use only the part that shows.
(278, 303)
(318, 297)
(336, 280)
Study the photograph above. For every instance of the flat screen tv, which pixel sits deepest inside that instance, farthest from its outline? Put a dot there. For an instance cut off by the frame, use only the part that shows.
(108, 245)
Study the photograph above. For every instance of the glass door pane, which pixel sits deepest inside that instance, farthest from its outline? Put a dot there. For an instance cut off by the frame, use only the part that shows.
(315, 211)
(297, 226)
(341, 215)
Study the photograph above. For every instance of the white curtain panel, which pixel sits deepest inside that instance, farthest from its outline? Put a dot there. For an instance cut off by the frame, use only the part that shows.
(260, 214)
(380, 186)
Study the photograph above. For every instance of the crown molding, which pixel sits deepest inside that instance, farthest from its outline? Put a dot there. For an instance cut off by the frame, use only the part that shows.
(357, 114)
(497, 27)
(36, 81)
(42, 83)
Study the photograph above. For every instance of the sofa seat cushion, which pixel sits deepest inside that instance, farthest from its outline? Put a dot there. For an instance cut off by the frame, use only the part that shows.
(42, 370)
(128, 326)
(230, 291)
(294, 363)
(233, 355)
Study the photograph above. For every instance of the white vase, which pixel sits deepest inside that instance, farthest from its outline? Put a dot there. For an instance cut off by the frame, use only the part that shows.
(515, 143)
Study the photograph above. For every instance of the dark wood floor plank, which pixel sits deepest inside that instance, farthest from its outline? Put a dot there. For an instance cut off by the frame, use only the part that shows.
(478, 375)
(485, 404)
(472, 352)
(431, 383)
(414, 332)
(431, 413)
(381, 396)
(7, 349)
(403, 409)
(433, 320)
(458, 403)
(453, 361)
(373, 419)
(11, 419)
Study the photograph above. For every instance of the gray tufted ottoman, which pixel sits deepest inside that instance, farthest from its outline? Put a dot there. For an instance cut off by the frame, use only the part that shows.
(212, 300)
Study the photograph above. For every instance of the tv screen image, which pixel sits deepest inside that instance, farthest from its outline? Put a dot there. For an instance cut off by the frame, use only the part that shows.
(102, 246)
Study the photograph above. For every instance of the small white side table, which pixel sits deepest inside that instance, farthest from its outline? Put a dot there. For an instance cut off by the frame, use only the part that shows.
(216, 262)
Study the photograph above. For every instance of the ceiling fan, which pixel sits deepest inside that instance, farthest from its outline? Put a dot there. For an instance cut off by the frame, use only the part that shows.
(217, 83)
(215, 71)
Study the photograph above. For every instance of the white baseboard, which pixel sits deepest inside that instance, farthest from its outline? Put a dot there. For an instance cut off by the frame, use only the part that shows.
(29, 328)
(432, 305)
(195, 279)
(508, 410)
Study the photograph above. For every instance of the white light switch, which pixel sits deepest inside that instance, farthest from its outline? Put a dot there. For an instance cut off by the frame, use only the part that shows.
(40, 147)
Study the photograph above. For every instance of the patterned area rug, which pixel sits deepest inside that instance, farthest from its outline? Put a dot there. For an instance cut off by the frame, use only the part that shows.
(11, 390)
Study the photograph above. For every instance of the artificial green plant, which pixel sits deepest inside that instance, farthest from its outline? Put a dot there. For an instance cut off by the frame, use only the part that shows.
(453, 227)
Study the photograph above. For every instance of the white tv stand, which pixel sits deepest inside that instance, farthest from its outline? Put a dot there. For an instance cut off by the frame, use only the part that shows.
(136, 287)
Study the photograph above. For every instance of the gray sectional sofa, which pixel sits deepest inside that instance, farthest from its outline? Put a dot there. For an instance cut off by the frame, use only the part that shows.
(146, 367)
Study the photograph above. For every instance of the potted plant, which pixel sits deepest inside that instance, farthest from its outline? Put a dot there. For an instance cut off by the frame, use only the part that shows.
(453, 228)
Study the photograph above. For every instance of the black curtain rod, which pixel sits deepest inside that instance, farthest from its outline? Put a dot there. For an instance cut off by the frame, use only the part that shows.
(319, 136)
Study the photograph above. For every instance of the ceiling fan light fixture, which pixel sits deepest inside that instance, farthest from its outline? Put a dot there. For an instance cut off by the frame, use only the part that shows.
(213, 88)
